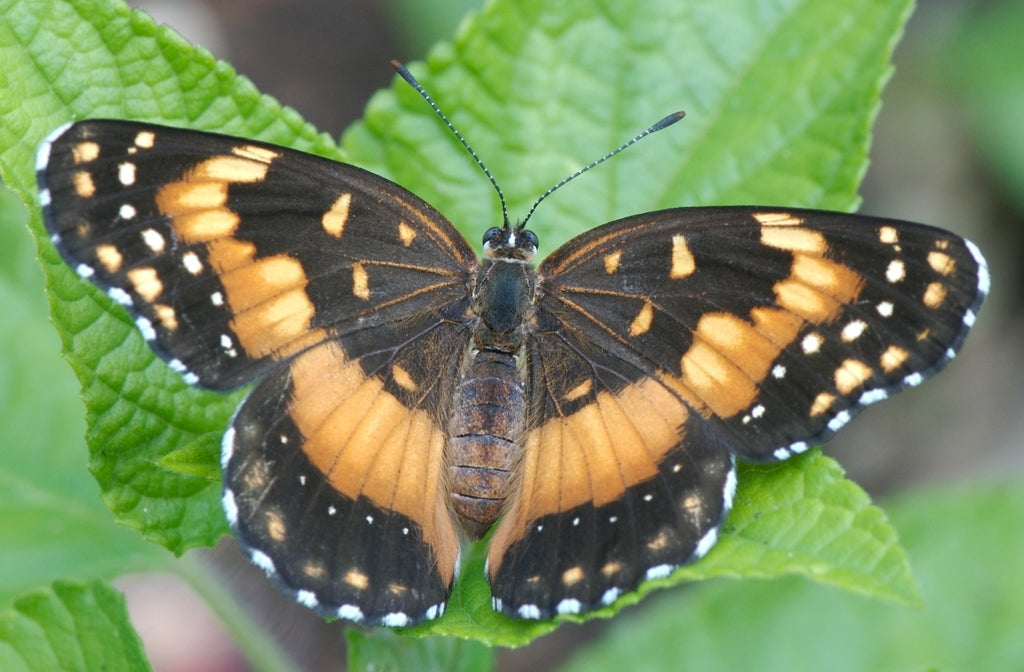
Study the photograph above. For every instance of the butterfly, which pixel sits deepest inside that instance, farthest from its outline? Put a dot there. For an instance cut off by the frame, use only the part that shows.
(586, 413)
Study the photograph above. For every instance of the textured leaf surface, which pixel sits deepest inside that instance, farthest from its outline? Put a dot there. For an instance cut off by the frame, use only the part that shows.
(71, 627)
(965, 553)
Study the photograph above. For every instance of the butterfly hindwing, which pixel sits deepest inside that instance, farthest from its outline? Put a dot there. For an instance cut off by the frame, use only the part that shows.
(335, 290)
(333, 478)
(666, 341)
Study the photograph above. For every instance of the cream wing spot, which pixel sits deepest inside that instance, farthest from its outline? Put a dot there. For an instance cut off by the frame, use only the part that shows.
(642, 322)
(851, 374)
(145, 139)
(84, 152)
(683, 263)
(893, 358)
(611, 262)
(357, 579)
(406, 234)
(146, 283)
(336, 217)
(888, 235)
(941, 263)
(360, 282)
(109, 257)
(822, 403)
(403, 379)
(934, 295)
(83, 184)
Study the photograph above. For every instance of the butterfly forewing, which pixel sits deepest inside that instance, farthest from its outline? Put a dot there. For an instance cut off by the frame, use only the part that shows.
(774, 325)
(231, 253)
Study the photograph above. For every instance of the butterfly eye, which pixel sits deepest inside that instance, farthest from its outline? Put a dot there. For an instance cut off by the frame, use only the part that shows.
(492, 235)
(531, 238)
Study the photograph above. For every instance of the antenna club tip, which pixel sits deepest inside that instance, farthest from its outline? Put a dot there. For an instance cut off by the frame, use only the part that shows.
(668, 121)
(403, 71)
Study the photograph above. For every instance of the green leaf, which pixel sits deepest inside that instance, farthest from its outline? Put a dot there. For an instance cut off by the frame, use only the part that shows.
(967, 555)
(383, 651)
(780, 99)
(70, 627)
(801, 517)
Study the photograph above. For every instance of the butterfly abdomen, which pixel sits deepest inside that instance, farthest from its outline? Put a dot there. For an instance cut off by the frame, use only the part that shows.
(488, 417)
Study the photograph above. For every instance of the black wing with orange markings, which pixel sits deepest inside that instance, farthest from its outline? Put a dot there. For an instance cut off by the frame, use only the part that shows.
(338, 293)
(667, 342)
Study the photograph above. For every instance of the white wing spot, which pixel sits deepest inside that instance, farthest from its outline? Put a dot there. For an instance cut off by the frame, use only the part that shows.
(837, 422)
(569, 606)
(230, 507)
(896, 271)
(190, 260)
(154, 240)
(119, 295)
(126, 173)
(307, 599)
(530, 611)
(146, 327)
(779, 371)
(884, 308)
(812, 343)
(659, 571)
(853, 330)
(913, 380)
(395, 620)
(350, 612)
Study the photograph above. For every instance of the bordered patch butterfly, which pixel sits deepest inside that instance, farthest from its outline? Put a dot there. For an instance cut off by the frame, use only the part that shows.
(407, 394)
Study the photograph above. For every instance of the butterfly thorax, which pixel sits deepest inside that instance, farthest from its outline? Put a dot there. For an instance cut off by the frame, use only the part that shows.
(489, 403)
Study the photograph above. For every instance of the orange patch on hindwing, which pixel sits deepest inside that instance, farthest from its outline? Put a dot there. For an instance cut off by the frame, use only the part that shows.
(593, 455)
(367, 443)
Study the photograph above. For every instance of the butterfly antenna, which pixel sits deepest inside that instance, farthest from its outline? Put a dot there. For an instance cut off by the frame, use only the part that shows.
(407, 76)
(664, 123)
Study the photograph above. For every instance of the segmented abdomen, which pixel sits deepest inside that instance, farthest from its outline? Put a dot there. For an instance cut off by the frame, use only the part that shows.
(488, 417)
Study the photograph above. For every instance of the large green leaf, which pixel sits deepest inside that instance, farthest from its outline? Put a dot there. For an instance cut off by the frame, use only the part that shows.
(780, 100)
(967, 552)
(70, 627)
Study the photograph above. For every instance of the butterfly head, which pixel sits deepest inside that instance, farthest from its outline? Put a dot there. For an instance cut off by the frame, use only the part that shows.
(514, 243)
